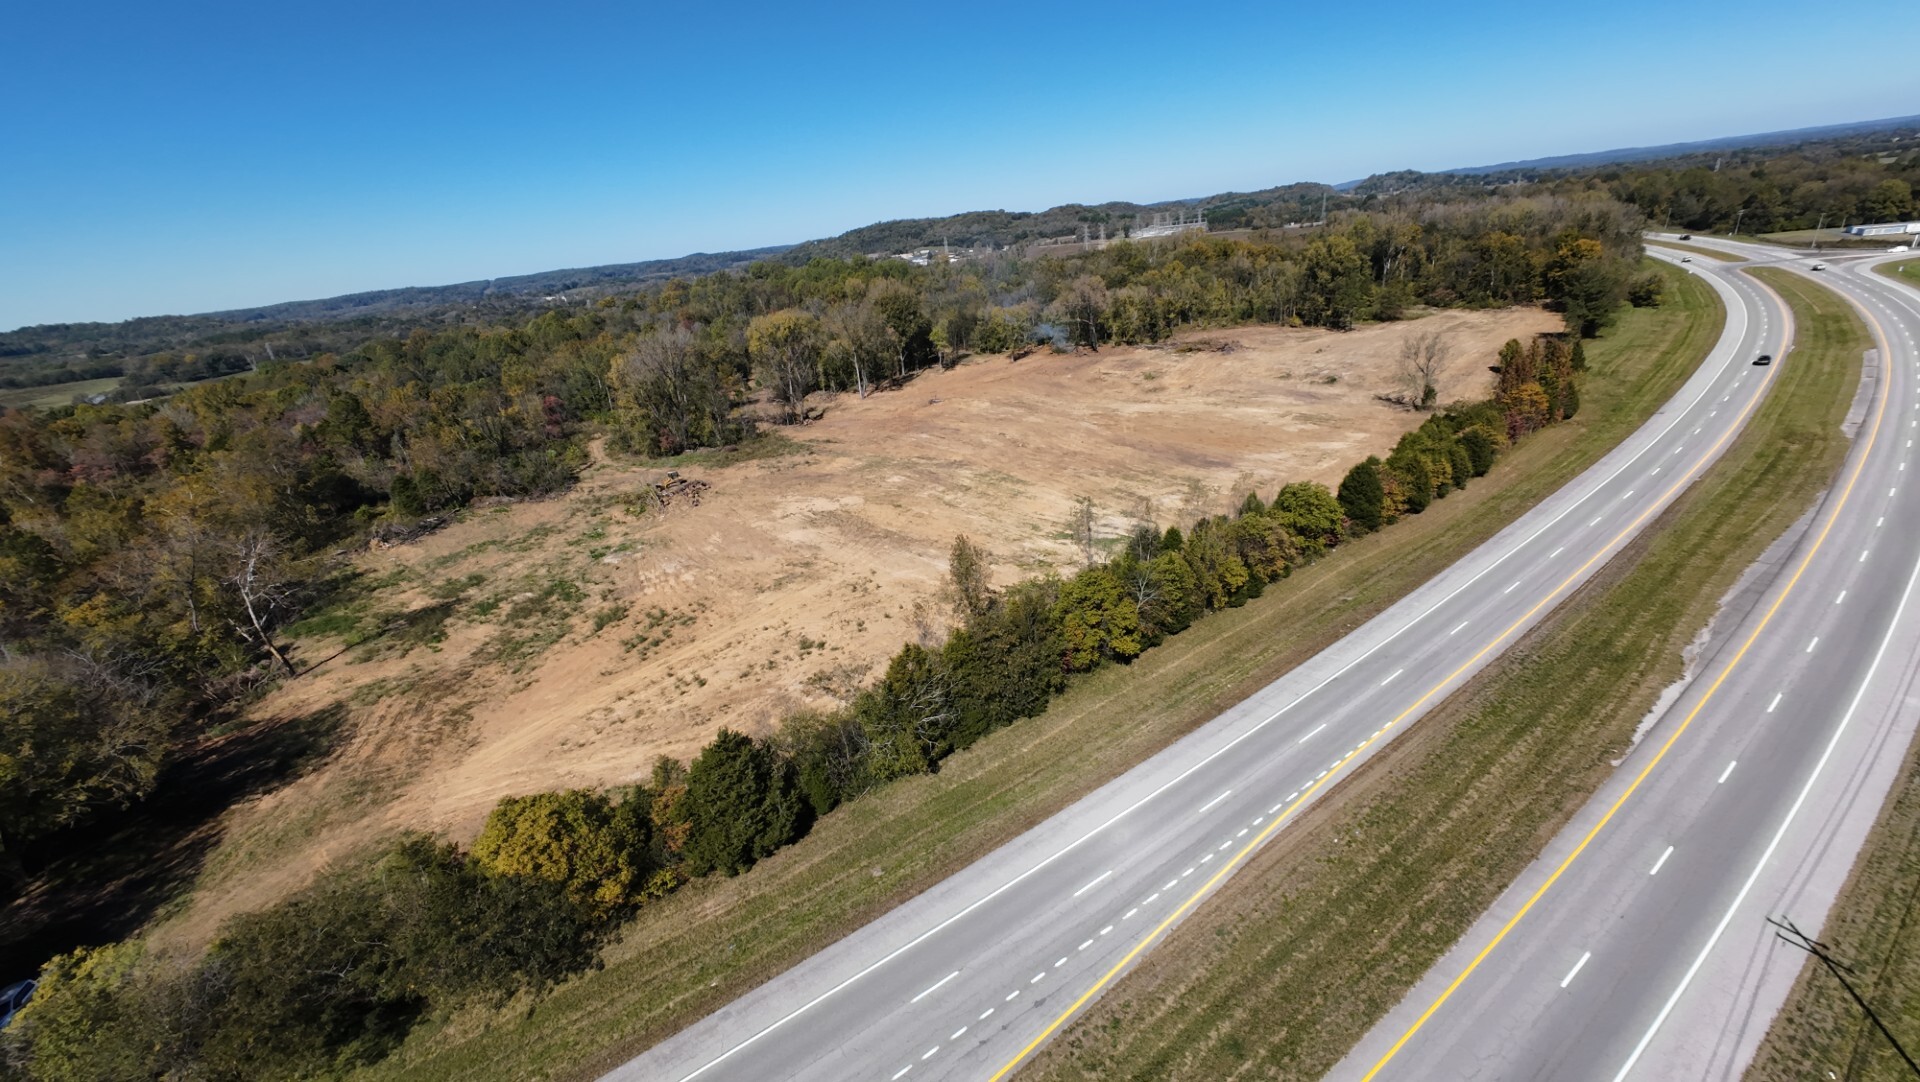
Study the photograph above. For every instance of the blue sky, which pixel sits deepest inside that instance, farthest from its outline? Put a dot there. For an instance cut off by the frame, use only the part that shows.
(162, 158)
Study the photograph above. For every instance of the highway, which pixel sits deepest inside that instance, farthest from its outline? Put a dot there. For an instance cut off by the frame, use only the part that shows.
(1637, 946)
(966, 979)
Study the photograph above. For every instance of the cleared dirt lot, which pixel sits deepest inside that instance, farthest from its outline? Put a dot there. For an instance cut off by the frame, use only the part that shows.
(570, 642)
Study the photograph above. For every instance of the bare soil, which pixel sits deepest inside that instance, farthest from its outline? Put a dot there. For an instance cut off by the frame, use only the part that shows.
(569, 642)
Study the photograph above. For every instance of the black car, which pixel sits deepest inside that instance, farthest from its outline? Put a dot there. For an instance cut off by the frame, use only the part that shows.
(1764, 358)
(1686, 236)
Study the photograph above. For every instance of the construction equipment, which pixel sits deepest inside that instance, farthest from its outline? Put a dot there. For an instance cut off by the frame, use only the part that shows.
(674, 486)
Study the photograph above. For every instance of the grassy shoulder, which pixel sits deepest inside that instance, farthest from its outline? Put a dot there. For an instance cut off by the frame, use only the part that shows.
(1875, 928)
(718, 937)
(1907, 270)
(1710, 253)
(1331, 925)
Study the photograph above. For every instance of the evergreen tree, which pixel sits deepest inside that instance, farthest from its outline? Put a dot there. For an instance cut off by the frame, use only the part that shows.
(741, 805)
(1362, 496)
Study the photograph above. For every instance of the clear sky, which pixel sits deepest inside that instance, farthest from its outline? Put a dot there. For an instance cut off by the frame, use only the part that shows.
(186, 157)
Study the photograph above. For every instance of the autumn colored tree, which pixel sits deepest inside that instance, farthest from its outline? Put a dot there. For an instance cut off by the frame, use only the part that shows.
(786, 348)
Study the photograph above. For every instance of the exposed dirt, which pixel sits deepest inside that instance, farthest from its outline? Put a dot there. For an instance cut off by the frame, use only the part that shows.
(797, 575)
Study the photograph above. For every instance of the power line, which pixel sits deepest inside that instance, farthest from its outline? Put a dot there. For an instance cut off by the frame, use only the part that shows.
(1791, 935)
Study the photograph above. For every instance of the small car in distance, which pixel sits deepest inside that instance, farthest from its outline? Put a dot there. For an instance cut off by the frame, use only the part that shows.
(1819, 266)
(1686, 259)
(1764, 358)
(1686, 236)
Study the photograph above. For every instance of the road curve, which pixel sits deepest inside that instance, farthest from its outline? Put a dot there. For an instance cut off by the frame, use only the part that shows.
(967, 978)
(1636, 946)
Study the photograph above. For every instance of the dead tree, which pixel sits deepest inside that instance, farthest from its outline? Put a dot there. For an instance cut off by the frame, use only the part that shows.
(1081, 527)
(260, 581)
(1424, 359)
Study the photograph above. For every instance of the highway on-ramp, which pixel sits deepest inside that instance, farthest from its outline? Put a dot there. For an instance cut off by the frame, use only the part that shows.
(966, 979)
(1636, 946)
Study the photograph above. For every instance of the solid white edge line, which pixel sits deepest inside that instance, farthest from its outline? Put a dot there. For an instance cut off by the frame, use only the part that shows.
(1767, 856)
(1678, 415)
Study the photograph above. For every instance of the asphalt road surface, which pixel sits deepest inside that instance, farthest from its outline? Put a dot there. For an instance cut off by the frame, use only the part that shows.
(1637, 945)
(966, 979)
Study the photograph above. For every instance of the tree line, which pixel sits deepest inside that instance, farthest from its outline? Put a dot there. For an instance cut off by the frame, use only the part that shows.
(1774, 193)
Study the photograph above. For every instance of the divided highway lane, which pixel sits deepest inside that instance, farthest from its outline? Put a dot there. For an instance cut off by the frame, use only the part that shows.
(966, 979)
(1637, 945)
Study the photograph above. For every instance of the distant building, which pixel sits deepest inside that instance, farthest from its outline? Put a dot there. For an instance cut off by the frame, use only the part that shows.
(1884, 229)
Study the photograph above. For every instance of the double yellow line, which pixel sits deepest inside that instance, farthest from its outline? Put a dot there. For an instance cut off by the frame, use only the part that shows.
(1307, 794)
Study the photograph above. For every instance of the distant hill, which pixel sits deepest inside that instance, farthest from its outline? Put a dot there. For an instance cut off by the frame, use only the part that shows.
(1004, 228)
(382, 302)
(1791, 137)
(53, 353)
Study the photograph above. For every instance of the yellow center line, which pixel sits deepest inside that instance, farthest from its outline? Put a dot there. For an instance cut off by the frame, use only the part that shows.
(1859, 467)
(1625, 532)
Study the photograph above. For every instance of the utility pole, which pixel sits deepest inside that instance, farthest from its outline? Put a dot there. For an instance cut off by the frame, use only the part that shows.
(1794, 937)
(1816, 232)
(1736, 220)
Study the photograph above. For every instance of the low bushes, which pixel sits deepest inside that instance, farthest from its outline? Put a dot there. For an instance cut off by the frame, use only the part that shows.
(331, 978)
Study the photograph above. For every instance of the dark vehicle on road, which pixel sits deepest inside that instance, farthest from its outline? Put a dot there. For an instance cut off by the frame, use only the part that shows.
(13, 997)
(1764, 358)
(1686, 236)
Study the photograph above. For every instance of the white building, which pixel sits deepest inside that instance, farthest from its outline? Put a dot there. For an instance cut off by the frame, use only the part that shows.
(1884, 229)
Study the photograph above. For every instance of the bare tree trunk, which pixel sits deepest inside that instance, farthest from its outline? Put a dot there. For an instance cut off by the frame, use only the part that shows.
(259, 591)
